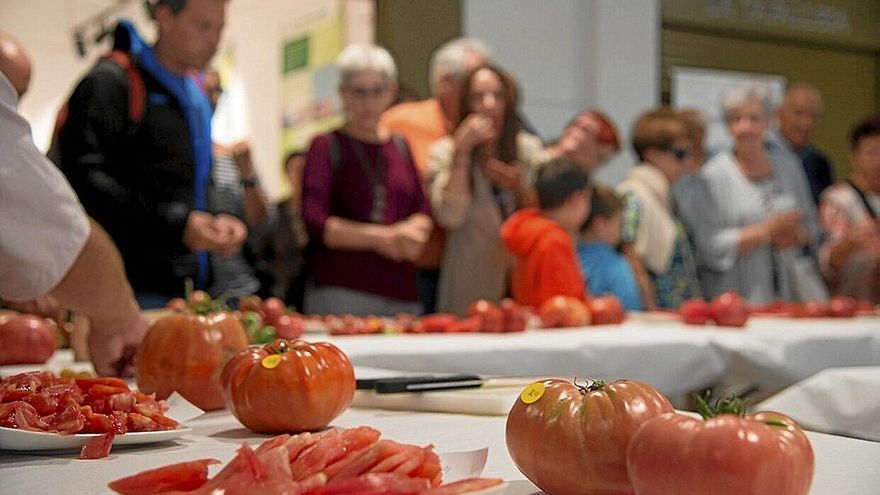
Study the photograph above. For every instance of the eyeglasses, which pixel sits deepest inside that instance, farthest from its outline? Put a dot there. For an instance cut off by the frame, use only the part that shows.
(366, 93)
(680, 153)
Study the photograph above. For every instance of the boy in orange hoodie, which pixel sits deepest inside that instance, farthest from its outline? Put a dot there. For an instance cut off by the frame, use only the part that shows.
(542, 240)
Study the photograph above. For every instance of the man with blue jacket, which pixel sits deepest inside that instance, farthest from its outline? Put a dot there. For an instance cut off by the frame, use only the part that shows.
(136, 147)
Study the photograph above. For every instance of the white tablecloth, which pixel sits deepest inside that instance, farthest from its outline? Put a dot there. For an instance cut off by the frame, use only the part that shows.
(843, 466)
(771, 353)
(836, 400)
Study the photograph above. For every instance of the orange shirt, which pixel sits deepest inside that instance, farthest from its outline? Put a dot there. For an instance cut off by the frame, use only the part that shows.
(421, 123)
(546, 263)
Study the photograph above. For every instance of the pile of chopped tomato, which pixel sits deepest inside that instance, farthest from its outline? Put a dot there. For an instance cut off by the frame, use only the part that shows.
(41, 401)
(335, 461)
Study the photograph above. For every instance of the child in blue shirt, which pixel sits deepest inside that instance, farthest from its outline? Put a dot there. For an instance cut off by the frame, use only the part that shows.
(605, 270)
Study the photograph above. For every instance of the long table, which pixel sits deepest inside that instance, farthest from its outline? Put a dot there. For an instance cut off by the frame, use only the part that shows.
(843, 466)
(771, 353)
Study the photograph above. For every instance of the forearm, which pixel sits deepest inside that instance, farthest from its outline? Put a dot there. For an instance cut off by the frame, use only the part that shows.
(341, 233)
(451, 199)
(752, 237)
(96, 286)
(643, 279)
(256, 211)
(840, 253)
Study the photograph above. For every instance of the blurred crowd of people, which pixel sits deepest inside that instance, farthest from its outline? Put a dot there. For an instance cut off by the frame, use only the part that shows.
(422, 206)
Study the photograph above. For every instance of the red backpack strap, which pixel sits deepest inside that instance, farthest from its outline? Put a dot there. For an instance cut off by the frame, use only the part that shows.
(137, 91)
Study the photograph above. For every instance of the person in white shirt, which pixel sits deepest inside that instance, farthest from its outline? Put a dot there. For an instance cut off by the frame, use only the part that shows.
(50, 251)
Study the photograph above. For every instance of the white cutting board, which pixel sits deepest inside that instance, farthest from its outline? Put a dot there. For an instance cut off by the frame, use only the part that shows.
(488, 401)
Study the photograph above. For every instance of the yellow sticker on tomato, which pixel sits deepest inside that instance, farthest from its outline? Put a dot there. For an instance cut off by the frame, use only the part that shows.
(271, 361)
(533, 392)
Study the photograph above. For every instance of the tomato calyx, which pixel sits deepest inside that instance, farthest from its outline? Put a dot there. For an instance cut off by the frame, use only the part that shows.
(589, 386)
(728, 405)
(200, 302)
(279, 346)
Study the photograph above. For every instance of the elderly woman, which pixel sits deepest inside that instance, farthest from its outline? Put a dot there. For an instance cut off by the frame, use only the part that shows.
(756, 230)
(850, 256)
(478, 176)
(363, 204)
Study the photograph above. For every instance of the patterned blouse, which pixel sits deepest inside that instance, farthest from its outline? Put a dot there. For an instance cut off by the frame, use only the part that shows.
(841, 210)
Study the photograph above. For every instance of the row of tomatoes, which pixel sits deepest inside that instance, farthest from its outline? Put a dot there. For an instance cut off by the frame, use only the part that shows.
(731, 310)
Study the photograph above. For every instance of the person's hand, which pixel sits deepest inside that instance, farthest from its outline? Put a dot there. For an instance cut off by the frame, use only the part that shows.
(46, 306)
(113, 343)
(507, 177)
(222, 234)
(232, 234)
(784, 229)
(864, 239)
(404, 240)
(411, 235)
(241, 154)
(475, 130)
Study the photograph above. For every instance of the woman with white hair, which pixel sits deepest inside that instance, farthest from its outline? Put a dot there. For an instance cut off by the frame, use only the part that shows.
(756, 229)
(363, 204)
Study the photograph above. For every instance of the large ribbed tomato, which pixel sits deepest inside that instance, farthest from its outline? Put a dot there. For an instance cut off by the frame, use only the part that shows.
(186, 352)
(675, 454)
(288, 386)
(570, 439)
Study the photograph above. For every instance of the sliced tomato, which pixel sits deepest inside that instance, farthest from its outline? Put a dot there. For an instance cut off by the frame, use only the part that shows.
(110, 381)
(100, 390)
(98, 447)
(183, 476)
(374, 484)
(469, 485)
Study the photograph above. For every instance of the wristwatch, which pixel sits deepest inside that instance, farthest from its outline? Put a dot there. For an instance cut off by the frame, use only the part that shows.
(250, 181)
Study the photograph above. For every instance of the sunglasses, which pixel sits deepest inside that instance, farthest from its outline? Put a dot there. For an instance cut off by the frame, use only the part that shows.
(365, 93)
(680, 153)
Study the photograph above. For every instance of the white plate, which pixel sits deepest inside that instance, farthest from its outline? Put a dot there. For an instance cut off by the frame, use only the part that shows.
(15, 439)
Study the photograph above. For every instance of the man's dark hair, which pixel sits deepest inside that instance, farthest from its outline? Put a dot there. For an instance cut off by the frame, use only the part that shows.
(559, 180)
(604, 203)
(175, 5)
(869, 127)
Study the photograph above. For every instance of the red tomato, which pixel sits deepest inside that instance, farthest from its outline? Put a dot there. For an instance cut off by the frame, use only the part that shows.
(186, 352)
(843, 307)
(695, 312)
(289, 327)
(437, 323)
(572, 440)
(564, 311)
(273, 307)
(251, 303)
(516, 316)
(812, 309)
(288, 386)
(177, 304)
(26, 339)
(729, 309)
(606, 310)
(865, 308)
(466, 325)
(679, 455)
(490, 316)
